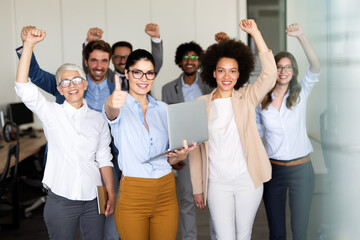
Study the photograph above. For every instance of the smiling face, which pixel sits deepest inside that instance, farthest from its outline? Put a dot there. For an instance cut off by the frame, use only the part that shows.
(119, 58)
(140, 87)
(189, 65)
(284, 71)
(98, 64)
(226, 74)
(74, 93)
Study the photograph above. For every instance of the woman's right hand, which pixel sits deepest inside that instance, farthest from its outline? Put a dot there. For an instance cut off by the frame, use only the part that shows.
(199, 201)
(115, 101)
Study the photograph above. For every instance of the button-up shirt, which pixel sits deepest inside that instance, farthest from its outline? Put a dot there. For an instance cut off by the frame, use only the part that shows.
(285, 130)
(191, 92)
(96, 94)
(136, 144)
(78, 144)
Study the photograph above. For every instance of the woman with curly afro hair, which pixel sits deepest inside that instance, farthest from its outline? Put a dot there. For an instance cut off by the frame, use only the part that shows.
(228, 171)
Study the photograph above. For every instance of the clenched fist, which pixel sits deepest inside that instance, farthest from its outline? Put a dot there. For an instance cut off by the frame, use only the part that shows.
(153, 30)
(94, 34)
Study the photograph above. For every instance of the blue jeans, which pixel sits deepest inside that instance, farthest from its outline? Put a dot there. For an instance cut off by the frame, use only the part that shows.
(299, 180)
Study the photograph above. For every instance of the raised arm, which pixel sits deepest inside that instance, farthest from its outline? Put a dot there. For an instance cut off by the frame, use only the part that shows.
(33, 36)
(249, 26)
(153, 30)
(93, 34)
(38, 76)
(295, 30)
(266, 81)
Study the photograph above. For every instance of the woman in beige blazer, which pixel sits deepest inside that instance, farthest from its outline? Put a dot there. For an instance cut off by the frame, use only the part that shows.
(229, 170)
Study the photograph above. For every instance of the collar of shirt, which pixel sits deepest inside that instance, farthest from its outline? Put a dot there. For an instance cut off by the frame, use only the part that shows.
(119, 74)
(71, 111)
(184, 85)
(92, 85)
(132, 102)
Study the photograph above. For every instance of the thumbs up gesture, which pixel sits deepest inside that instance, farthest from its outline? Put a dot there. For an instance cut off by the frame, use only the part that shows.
(115, 101)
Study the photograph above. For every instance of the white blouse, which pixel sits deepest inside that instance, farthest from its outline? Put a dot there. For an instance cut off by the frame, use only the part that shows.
(78, 144)
(226, 155)
(285, 130)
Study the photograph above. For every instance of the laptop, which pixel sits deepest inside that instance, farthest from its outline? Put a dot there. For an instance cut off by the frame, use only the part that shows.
(186, 121)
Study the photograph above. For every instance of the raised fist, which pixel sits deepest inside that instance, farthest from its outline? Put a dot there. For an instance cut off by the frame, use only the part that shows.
(34, 36)
(249, 26)
(94, 34)
(153, 30)
(221, 37)
(294, 30)
(24, 32)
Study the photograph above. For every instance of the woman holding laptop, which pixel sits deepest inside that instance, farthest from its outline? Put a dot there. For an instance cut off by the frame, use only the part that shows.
(147, 207)
(229, 170)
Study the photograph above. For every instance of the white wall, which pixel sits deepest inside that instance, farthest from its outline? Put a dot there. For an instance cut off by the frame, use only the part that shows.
(312, 17)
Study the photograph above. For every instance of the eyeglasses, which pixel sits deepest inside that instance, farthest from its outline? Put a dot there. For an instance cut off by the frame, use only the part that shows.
(287, 68)
(119, 57)
(138, 74)
(66, 83)
(186, 57)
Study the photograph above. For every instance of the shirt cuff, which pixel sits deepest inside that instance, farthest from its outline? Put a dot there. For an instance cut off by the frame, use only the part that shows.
(312, 76)
(19, 50)
(107, 119)
(105, 164)
(156, 40)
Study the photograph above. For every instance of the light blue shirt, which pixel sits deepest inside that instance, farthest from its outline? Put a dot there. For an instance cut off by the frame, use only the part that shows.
(285, 130)
(136, 144)
(191, 92)
(96, 94)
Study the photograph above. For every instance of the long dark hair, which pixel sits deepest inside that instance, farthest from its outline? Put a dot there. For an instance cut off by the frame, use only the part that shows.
(294, 86)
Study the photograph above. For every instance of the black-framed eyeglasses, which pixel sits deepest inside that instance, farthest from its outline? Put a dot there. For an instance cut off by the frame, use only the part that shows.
(76, 81)
(186, 57)
(287, 68)
(119, 57)
(138, 74)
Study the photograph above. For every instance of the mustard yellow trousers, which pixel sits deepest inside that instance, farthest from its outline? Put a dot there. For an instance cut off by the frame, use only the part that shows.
(147, 209)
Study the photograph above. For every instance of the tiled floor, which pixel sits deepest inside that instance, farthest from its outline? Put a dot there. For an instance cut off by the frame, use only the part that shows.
(34, 228)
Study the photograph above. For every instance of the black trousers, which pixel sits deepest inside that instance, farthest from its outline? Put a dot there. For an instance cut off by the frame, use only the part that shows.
(299, 181)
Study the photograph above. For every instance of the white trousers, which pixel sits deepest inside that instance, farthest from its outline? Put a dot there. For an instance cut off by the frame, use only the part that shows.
(233, 205)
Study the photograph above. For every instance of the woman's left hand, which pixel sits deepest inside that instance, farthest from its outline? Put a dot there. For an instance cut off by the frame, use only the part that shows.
(180, 154)
(110, 206)
(249, 26)
(294, 30)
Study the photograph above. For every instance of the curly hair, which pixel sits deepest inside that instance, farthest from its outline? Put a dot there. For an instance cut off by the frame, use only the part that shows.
(185, 48)
(96, 45)
(229, 49)
(294, 86)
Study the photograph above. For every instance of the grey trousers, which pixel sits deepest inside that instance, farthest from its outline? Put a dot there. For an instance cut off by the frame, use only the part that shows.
(186, 205)
(63, 217)
(110, 231)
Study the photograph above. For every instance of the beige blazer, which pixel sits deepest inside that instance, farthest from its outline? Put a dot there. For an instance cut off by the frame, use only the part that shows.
(244, 102)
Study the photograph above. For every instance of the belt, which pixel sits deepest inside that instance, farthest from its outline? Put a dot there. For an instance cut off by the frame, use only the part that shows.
(291, 163)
